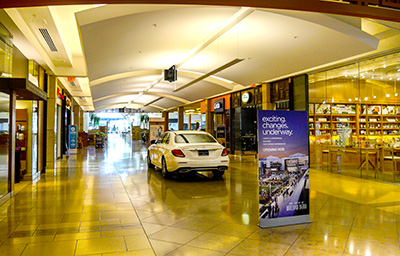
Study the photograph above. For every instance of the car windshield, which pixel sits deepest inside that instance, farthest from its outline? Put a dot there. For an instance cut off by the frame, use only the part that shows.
(194, 138)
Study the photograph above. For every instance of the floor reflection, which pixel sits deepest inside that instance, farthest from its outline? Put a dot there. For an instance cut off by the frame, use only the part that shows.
(107, 202)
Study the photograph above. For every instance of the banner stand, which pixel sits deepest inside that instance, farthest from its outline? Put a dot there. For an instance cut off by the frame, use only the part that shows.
(283, 165)
(271, 223)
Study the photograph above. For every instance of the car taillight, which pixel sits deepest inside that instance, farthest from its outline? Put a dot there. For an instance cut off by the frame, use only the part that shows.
(178, 153)
(225, 152)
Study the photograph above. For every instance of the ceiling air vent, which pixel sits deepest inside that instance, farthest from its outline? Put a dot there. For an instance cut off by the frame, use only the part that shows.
(48, 39)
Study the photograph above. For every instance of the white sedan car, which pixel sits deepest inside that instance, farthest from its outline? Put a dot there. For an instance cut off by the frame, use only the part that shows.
(187, 151)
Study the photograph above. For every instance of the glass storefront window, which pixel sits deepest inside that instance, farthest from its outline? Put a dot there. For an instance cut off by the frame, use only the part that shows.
(5, 52)
(375, 80)
(4, 141)
(354, 106)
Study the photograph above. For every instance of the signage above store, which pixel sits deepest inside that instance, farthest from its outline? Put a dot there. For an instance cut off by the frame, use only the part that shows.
(246, 97)
(59, 93)
(219, 105)
(379, 3)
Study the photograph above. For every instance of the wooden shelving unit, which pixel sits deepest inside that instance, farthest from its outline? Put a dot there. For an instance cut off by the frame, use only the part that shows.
(326, 119)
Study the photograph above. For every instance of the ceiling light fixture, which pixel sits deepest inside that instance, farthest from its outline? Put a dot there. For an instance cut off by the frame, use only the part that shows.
(388, 95)
(366, 98)
(374, 97)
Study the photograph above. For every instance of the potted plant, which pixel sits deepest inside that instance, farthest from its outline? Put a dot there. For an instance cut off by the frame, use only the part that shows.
(95, 120)
(144, 119)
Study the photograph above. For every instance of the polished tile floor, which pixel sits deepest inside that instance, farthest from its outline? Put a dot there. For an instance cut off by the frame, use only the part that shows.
(106, 202)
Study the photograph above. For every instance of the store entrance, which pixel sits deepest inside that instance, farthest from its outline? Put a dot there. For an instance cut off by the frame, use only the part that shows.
(245, 130)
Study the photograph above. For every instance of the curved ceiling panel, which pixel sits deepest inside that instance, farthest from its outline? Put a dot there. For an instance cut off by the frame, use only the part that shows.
(126, 54)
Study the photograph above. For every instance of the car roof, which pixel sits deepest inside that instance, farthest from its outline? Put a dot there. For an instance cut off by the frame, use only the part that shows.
(188, 131)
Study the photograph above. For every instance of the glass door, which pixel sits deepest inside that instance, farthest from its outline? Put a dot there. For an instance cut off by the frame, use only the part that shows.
(34, 139)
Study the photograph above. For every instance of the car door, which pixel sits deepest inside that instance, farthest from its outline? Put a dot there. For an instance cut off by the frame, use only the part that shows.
(158, 152)
(164, 148)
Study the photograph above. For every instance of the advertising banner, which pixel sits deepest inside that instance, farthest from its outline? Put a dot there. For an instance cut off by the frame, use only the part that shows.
(156, 131)
(72, 140)
(283, 163)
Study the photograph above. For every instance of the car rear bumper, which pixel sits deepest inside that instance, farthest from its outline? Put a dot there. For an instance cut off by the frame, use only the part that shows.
(183, 165)
(201, 169)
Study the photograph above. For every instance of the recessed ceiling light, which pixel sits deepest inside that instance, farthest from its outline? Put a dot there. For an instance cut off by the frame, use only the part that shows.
(349, 99)
(356, 98)
(366, 98)
(396, 94)
(384, 66)
(390, 78)
(374, 97)
(388, 95)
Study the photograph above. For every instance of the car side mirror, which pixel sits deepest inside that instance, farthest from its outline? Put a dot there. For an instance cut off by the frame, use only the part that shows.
(153, 142)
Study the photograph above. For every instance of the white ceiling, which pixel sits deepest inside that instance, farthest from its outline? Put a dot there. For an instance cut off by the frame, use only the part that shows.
(120, 51)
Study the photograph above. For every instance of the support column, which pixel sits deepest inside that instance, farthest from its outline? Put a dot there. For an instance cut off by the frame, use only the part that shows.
(81, 112)
(77, 110)
(190, 122)
(11, 142)
(209, 118)
(165, 115)
(180, 118)
(266, 97)
(51, 123)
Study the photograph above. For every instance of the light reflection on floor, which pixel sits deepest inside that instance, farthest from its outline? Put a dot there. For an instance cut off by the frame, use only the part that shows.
(106, 202)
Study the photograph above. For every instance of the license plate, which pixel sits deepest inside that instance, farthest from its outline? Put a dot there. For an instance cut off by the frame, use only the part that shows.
(203, 152)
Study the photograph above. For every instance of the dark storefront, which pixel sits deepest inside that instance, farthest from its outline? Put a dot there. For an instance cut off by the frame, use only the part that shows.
(244, 122)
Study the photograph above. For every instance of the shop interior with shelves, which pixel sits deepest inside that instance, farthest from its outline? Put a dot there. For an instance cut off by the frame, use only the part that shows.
(356, 107)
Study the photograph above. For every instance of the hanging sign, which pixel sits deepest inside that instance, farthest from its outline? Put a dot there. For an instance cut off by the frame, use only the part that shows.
(72, 137)
(283, 168)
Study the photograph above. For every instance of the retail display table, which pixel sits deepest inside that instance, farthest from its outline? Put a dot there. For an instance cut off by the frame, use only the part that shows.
(366, 154)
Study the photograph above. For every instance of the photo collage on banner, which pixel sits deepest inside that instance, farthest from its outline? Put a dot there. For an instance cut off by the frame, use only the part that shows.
(283, 164)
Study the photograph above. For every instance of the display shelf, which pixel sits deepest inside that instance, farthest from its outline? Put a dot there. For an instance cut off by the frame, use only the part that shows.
(365, 120)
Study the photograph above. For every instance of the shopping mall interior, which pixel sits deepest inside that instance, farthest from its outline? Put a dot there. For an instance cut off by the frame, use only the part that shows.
(85, 87)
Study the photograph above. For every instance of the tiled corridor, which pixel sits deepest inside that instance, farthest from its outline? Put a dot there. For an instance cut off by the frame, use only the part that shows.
(106, 202)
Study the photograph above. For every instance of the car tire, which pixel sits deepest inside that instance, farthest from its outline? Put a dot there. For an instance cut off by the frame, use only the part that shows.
(218, 173)
(149, 164)
(164, 170)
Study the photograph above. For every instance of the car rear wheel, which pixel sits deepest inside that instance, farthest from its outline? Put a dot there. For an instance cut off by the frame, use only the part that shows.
(164, 170)
(149, 164)
(218, 173)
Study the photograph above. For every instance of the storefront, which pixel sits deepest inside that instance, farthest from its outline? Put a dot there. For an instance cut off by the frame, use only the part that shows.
(244, 120)
(355, 106)
(63, 120)
(221, 119)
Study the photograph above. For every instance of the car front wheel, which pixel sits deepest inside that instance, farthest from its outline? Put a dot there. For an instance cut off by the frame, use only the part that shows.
(164, 170)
